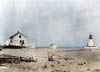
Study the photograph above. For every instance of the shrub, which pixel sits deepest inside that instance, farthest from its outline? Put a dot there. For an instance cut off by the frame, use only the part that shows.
(45, 66)
(52, 65)
(97, 70)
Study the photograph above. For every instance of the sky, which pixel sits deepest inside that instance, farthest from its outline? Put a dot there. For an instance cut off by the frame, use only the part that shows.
(66, 23)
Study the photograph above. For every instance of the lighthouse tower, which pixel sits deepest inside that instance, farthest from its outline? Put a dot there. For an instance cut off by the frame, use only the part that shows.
(90, 43)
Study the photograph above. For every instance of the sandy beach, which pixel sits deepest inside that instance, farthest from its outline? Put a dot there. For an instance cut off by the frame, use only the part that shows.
(81, 60)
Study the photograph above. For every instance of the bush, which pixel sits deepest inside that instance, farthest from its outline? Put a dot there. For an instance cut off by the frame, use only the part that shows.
(45, 66)
(88, 70)
(97, 70)
(52, 65)
(58, 62)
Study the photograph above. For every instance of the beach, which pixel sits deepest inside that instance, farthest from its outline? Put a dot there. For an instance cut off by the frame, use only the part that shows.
(65, 60)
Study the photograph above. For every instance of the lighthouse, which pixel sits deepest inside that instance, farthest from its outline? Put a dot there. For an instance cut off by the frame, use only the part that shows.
(90, 43)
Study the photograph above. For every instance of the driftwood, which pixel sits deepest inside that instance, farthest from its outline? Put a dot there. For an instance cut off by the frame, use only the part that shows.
(15, 59)
(29, 59)
(9, 60)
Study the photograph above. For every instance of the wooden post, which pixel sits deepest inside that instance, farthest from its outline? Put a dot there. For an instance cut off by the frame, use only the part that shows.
(50, 56)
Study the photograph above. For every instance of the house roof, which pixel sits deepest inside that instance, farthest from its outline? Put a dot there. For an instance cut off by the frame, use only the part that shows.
(17, 34)
(52, 44)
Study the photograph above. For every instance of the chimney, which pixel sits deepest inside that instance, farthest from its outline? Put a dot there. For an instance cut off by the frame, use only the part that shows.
(17, 31)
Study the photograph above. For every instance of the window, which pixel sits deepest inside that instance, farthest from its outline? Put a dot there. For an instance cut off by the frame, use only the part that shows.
(11, 41)
(21, 42)
(19, 36)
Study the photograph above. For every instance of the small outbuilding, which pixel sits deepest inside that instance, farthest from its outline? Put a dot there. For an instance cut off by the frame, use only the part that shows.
(53, 46)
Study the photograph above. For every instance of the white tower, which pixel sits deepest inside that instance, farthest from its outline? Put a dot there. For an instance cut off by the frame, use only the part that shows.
(90, 42)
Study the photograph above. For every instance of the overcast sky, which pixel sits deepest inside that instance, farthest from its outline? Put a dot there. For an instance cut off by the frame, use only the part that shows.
(62, 22)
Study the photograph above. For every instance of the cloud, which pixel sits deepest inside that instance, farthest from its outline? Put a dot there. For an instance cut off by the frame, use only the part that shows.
(63, 22)
(3, 8)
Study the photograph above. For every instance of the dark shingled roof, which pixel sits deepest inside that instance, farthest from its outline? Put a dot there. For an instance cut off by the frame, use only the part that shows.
(17, 34)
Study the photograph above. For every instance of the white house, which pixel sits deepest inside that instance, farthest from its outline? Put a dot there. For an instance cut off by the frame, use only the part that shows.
(18, 39)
